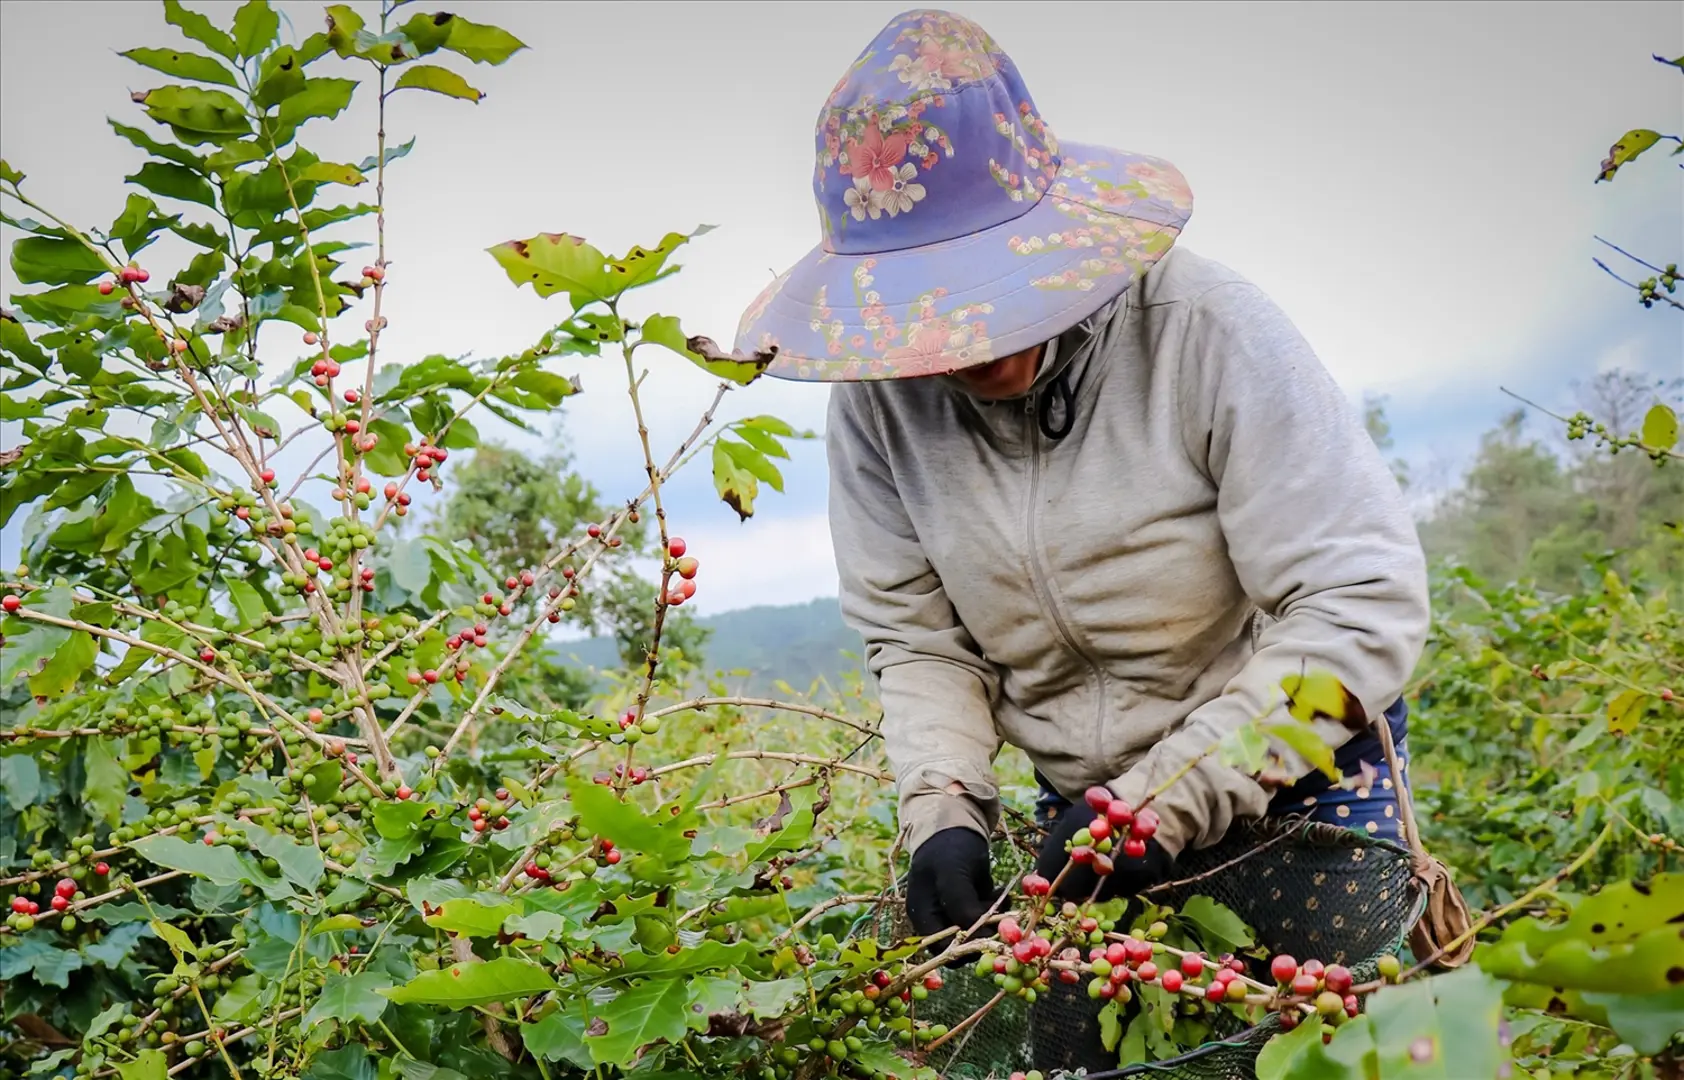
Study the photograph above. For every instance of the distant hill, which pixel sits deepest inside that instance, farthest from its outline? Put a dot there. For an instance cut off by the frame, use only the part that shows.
(794, 643)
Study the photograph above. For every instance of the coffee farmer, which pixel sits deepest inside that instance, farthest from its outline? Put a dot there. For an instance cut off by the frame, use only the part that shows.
(1091, 494)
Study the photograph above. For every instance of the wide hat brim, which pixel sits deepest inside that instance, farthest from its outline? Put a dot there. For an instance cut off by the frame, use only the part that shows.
(944, 307)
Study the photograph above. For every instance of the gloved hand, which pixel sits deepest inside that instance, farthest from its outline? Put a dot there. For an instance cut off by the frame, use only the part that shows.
(1130, 873)
(950, 884)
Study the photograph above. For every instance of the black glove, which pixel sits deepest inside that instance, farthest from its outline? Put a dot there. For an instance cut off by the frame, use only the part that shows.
(1128, 877)
(950, 884)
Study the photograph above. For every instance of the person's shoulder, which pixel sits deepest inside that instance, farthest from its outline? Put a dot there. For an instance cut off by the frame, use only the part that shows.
(1183, 276)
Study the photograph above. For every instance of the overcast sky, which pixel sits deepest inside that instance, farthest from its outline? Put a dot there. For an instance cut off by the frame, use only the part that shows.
(1412, 182)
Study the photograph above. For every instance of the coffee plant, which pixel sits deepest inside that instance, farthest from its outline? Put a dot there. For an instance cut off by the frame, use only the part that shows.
(287, 789)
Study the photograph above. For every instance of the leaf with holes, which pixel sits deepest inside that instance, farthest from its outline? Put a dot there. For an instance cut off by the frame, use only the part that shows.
(1625, 710)
(1626, 149)
(650, 1012)
(664, 330)
(1622, 940)
(556, 262)
(737, 487)
(181, 64)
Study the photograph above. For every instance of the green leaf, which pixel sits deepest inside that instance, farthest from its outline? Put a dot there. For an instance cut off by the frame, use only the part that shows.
(601, 813)
(1621, 940)
(472, 917)
(335, 924)
(1660, 428)
(736, 486)
(248, 602)
(69, 663)
(184, 65)
(238, 1002)
(664, 330)
(391, 154)
(179, 154)
(1245, 748)
(107, 782)
(255, 25)
(650, 1012)
(283, 76)
(343, 24)
(560, 1036)
(198, 28)
(1110, 1026)
(552, 388)
(797, 820)
(218, 865)
(20, 780)
(1647, 1021)
(640, 266)
(1443, 1027)
(1282, 1050)
(322, 781)
(1220, 930)
(147, 1065)
(174, 182)
(481, 44)
(753, 462)
(349, 998)
(461, 985)
(1316, 695)
(1628, 147)
(396, 820)
(301, 864)
(556, 262)
(48, 261)
(326, 172)
(1307, 744)
(1625, 709)
(9, 174)
(346, 1063)
(437, 80)
(325, 98)
(175, 938)
(196, 115)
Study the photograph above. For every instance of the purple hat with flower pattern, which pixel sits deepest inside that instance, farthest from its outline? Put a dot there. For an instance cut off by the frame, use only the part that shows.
(956, 229)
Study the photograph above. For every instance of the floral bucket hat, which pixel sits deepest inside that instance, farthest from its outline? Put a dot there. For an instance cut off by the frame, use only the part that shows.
(956, 229)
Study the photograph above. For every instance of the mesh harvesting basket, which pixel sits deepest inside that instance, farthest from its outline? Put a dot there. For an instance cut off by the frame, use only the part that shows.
(1304, 888)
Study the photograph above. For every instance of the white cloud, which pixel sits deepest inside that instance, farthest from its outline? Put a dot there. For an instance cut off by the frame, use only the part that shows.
(1627, 354)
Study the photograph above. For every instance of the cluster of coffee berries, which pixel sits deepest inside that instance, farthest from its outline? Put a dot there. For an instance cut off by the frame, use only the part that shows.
(685, 566)
(323, 371)
(490, 813)
(1113, 819)
(127, 275)
(428, 458)
(1325, 987)
(874, 1006)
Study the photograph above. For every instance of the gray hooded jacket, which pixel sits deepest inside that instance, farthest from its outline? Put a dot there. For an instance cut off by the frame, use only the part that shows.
(1114, 601)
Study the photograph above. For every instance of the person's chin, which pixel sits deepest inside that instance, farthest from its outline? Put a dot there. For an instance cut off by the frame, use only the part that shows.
(985, 384)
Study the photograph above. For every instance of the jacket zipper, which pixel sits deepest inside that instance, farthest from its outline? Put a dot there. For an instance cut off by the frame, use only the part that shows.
(1039, 578)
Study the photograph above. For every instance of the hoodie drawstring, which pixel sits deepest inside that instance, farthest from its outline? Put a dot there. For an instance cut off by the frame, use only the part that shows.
(1060, 385)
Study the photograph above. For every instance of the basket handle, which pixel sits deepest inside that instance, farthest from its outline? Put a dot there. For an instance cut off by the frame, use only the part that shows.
(1446, 918)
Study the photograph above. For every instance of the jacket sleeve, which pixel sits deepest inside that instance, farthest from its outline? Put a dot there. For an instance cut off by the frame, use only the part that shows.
(935, 688)
(1318, 534)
